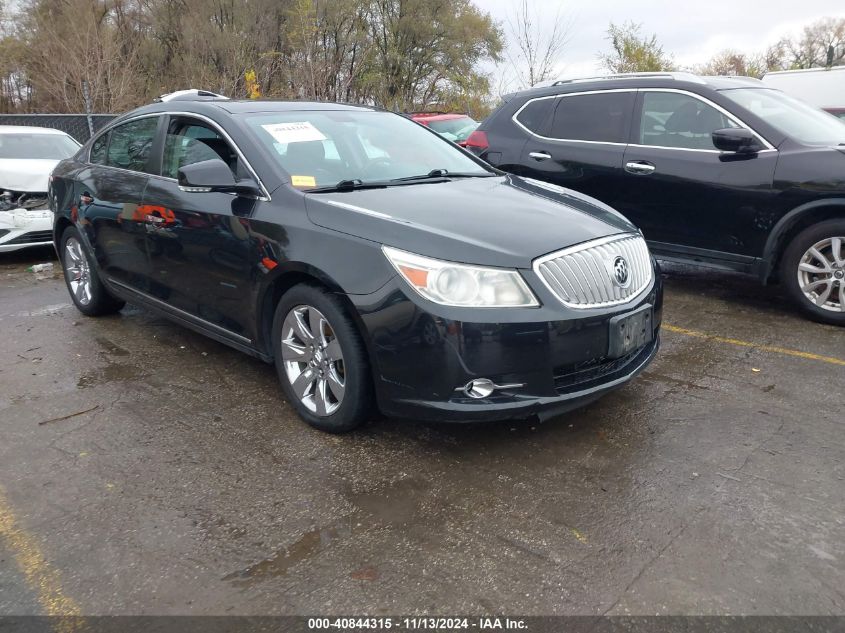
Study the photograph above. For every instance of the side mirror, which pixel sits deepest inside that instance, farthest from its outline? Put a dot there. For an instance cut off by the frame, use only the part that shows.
(736, 139)
(214, 175)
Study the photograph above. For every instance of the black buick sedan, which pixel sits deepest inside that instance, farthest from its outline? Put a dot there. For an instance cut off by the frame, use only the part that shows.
(372, 261)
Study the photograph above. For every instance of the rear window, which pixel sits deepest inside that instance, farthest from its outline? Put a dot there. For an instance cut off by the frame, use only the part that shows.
(456, 130)
(603, 117)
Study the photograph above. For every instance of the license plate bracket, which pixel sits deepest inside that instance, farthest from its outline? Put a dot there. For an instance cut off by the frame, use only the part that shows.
(630, 331)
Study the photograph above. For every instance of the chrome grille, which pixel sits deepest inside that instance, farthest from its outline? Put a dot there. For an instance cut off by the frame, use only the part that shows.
(583, 276)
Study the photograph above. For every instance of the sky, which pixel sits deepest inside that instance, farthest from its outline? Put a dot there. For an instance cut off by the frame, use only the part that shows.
(692, 32)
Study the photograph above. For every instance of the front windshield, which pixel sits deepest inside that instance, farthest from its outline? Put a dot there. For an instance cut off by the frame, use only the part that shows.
(456, 130)
(791, 116)
(37, 146)
(319, 148)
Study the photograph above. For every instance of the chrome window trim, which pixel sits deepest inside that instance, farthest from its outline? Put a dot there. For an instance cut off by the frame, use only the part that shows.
(768, 146)
(535, 266)
(265, 195)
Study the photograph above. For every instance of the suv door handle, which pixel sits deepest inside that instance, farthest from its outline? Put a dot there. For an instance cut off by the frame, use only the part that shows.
(539, 155)
(639, 167)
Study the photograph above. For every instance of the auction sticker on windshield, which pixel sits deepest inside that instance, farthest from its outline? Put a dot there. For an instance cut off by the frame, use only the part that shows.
(303, 181)
(294, 132)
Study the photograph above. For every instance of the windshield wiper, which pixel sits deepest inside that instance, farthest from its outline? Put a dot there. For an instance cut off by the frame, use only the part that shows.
(444, 173)
(348, 185)
(435, 175)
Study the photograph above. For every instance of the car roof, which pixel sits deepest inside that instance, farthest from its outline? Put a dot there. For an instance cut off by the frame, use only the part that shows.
(246, 106)
(683, 81)
(28, 129)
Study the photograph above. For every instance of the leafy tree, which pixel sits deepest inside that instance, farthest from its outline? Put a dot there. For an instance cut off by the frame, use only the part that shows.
(633, 52)
(423, 47)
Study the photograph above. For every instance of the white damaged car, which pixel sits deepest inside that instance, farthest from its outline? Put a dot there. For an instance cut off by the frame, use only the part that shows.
(27, 157)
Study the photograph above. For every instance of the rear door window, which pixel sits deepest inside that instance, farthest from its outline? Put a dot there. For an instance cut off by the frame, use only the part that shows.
(602, 117)
(98, 149)
(131, 144)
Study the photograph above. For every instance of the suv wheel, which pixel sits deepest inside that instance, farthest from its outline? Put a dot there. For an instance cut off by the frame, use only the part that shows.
(320, 360)
(813, 270)
(87, 291)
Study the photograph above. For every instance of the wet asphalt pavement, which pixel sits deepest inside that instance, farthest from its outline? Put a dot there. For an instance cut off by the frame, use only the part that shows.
(713, 483)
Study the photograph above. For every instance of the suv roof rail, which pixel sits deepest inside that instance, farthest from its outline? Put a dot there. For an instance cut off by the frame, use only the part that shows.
(677, 75)
(192, 94)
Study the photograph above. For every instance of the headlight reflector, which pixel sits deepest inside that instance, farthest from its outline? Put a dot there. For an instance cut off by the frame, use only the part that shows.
(452, 284)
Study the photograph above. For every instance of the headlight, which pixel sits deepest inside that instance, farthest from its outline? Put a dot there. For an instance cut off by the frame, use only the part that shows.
(452, 284)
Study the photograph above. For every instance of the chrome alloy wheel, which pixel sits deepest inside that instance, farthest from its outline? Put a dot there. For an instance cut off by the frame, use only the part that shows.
(313, 360)
(77, 271)
(821, 274)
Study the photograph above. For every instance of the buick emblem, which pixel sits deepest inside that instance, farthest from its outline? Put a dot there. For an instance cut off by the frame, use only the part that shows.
(621, 274)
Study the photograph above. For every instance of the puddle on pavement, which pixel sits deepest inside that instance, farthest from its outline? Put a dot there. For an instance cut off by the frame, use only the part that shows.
(307, 546)
(394, 505)
(113, 372)
(111, 348)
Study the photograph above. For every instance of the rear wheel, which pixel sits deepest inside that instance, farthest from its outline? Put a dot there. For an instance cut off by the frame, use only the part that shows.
(86, 289)
(321, 360)
(813, 271)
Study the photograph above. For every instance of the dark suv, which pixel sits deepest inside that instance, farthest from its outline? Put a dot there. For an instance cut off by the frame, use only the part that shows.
(720, 171)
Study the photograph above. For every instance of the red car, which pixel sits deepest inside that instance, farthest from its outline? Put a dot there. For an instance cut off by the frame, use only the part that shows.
(455, 127)
(837, 112)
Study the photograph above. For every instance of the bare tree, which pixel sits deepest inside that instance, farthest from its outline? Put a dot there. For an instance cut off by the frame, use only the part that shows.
(821, 44)
(537, 46)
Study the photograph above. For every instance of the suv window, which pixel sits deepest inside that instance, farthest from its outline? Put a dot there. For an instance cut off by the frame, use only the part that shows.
(98, 150)
(189, 141)
(535, 115)
(671, 119)
(593, 117)
(131, 143)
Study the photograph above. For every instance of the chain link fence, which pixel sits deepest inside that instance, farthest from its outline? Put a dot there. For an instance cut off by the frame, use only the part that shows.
(74, 124)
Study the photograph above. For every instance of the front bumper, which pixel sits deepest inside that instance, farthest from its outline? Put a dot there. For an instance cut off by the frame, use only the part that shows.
(422, 354)
(22, 228)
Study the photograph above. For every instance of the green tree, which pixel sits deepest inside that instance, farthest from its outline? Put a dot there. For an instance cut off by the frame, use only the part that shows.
(425, 47)
(633, 52)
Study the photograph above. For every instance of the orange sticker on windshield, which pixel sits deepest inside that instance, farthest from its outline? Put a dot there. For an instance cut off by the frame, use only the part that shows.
(303, 181)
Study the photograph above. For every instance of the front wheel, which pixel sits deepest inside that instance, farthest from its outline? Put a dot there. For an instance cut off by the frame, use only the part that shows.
(813, 271)
(321, 360)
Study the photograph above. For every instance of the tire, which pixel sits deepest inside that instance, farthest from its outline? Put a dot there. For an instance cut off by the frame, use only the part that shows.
(809, 267)
(82, 278)
(330, 384)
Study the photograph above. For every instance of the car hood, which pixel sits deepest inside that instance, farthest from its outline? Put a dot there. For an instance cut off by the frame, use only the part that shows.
(499, 221)
(28, 175)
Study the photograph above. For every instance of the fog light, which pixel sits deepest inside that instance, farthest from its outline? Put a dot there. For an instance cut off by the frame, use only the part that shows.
(479, 388)
(483, 387)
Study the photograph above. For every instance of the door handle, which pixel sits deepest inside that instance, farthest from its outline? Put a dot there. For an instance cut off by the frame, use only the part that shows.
(86, 198)
(539, 155)
(639, 167)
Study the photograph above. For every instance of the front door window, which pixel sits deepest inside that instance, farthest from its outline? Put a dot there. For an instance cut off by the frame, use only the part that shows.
(672, 119)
